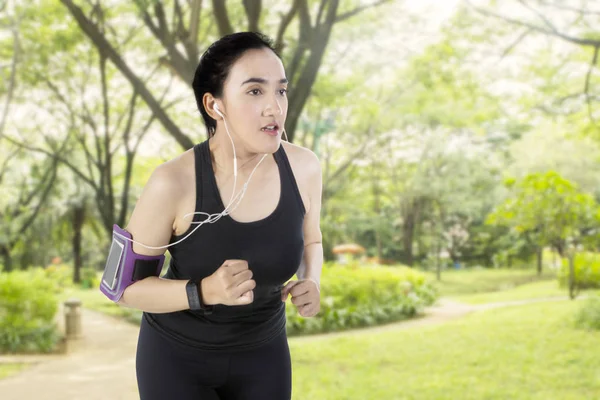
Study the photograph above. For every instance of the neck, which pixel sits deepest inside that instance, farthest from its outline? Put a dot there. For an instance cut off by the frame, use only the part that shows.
(220, 148)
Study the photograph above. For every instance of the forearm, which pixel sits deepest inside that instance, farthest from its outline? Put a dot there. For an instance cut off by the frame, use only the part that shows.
(156, 295)
(312, 263)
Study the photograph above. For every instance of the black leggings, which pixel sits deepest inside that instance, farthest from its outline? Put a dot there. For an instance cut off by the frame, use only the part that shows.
(167, 370)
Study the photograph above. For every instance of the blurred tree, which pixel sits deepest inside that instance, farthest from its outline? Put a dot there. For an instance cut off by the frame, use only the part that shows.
(25, 187)
(98, 117)
(546, 209)
(179, 33)
(567, 63)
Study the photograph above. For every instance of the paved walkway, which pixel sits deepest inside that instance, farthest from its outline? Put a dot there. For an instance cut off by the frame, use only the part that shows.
(101, 365)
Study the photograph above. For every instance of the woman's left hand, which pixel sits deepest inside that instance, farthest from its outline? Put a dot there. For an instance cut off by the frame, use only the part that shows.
(306, 296)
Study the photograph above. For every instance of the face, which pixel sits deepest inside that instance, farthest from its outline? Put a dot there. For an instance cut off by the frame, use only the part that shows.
(255, 95)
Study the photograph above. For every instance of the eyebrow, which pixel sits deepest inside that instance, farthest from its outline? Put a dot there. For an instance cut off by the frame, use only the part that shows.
(261, 80)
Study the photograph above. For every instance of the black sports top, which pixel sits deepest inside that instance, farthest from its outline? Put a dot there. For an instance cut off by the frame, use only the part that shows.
(273, 247)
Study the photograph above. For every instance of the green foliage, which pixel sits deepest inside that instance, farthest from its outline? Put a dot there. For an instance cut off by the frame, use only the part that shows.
(587, 271)
(28, 304)
(362, 296)
(546, 208)
(89, 278)
(588, 316)
(60, 274)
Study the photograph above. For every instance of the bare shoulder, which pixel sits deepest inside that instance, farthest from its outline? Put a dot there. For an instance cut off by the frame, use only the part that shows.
(173, 176)
(306, 168)
(153, 217)
(302, 160)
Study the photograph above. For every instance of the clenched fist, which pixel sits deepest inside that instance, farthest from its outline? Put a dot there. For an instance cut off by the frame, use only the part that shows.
(231, 284)
(306, 296)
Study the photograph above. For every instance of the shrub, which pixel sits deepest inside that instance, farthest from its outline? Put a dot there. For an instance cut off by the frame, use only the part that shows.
(61, 274)
(361, 296)
(28, 304)
(588, 316)
(587, 271)
(89, 278)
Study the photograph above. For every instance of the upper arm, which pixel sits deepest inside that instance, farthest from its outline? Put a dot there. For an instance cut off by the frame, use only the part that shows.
(151, 222)
(314, 184)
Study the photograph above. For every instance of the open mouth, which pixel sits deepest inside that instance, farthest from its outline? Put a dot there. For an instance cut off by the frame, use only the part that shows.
(272, 129)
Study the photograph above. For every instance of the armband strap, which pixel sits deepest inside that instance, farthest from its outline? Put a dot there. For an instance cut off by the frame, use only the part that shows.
(124, 267)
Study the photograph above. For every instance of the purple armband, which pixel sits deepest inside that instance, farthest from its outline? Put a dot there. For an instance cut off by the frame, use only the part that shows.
(124, 267)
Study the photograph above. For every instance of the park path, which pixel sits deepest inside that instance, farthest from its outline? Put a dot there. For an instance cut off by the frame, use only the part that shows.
(101, 365)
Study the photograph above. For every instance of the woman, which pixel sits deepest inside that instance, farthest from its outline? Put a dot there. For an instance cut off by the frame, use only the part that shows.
(236, 346)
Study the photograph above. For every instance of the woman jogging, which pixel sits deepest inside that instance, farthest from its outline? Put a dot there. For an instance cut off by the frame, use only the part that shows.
(213, 326)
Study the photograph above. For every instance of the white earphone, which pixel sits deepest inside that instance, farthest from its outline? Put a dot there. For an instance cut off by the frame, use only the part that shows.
(218, 111)
(216, 108)
(212, 218)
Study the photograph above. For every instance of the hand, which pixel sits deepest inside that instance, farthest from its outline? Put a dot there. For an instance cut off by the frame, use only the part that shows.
(306, 296)
(230, 284)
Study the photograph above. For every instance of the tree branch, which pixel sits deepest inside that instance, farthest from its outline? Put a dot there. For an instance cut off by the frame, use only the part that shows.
(252, 9)
(568, 8)
(220, 11)
(42, 199)
(178, 63)
(4, 166)
(514, 44)
(349, 14)
(59, 158)
(103, 45)
(551, 31)
(12, 82)
(587, 84)
(285, 22)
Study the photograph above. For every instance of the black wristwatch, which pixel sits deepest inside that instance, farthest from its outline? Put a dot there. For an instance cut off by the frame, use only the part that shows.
(194, 295)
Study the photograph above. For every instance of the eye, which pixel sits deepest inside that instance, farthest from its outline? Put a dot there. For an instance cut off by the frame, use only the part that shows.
(285, 91)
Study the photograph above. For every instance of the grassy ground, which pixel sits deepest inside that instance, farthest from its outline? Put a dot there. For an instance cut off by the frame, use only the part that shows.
(526, 352)
(472, 281)
(10, 369)
(490, 286)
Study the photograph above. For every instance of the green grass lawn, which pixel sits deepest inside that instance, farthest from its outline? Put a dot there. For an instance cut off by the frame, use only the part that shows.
(472, 281)
(490, 286)
(7, 370)
(524, 352)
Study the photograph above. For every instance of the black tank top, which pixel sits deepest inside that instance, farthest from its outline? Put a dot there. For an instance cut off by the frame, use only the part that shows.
(273, 247)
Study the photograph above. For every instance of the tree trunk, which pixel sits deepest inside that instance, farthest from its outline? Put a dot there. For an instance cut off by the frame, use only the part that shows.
(379, 248)
(539, 261)
(572, 283)
(78, 218)
(5, 251)
(438, 263)
(377, 210)
(408, 229)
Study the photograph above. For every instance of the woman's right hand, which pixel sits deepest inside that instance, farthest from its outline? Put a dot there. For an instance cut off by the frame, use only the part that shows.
(230, 284)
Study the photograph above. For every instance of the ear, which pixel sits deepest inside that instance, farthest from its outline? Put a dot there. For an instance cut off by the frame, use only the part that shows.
(211, 107)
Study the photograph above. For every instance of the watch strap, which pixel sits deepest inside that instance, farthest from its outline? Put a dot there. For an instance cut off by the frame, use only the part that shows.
(194, 295)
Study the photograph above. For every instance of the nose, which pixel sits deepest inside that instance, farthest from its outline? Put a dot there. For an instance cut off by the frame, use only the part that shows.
(277, 107)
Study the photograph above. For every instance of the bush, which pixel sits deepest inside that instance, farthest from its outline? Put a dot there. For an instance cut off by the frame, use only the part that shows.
(89, 278)
(28, 304)
(588, 316)
(361, 296)
(587, 271)
(61, 274)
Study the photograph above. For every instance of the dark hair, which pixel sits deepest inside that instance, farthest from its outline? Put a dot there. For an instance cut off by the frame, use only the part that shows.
(215, 64)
